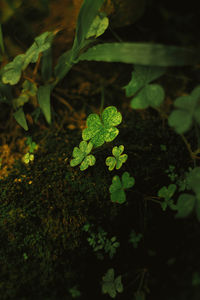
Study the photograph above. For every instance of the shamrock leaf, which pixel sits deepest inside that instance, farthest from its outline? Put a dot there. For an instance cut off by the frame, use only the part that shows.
(150, 95)
(111, 285)
(27, 158)
(118, 160)
(127, 180)
(147, 94)
(81, 155)
(141, 76)
(167, 193)
(135, 238)
(117, 187)
(102, 130)
(187, 110)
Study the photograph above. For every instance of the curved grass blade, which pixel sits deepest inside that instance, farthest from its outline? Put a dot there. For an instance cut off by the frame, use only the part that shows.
(142, 54)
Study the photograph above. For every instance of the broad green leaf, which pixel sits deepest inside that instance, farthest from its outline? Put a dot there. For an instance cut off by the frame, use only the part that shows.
(150, 95)
(127, 180)
(98, 26)
(100, 131)
(87, 14)
(12, 71)
(44, 101)
(185, 205)
(142, 54)
(20, 118)
(141, 76)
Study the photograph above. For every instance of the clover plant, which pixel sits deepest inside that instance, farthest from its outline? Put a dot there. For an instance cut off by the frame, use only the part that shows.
(147, 94)
(74, 291)
(81, 156)
(29, 156)
(102, 129)
(110, 284)
(134, 238)
(99, 241)
(167, 193)
(118, 159)
(187, 111)
(117, 187)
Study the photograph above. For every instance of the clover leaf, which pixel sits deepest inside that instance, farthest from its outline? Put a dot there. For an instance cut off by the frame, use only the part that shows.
(111, 285)
(117, 187)
(28, 157)
(118, 160)
(187, 110)
(101, 130)
(81, 156)
(167, 193)
(141, 76)
(147, 94)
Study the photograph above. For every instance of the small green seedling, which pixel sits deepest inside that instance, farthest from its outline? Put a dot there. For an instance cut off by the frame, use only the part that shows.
(147, 94)
(188, 202)
(118, 160)
(167, 193)
(111, 285)
(117, 187)
(81, 156)
(32, 145)
(102, 129)
(135, 238)
(99, 241)
(29, 156)
(74, 291)
(187, 111)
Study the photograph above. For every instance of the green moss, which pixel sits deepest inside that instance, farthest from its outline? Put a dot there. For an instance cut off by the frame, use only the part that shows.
(43, 208)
